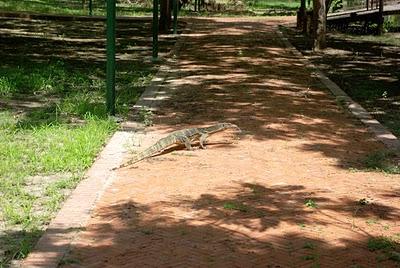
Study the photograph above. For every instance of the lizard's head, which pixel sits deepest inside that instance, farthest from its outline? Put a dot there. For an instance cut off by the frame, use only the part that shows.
(229, 125)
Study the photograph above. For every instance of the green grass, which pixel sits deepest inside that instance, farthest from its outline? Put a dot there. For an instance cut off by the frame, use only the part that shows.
(380, 243)
(308, 257)
(236, 206)
(387, 247)
(74, 7)
(264, 4)
(144, 8)
(392, 39)
(45, 150)
(310, 203)
(309, 245)
(46, 146)
(384, 161)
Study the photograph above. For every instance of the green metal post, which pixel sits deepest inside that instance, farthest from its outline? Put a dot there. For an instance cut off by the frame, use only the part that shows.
(90, 7)
(111, 56)
(175, 3)
(155, 30)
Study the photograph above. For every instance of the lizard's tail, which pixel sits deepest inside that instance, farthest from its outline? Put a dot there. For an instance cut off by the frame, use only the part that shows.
(142, 155)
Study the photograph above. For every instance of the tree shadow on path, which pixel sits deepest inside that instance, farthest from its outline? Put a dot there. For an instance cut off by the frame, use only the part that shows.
(250, 226)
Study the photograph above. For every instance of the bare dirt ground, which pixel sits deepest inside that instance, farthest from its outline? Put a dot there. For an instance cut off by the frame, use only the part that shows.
(286, 194)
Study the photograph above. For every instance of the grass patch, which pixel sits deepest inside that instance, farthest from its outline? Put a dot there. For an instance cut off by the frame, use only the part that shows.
(236, 206)
(52, 126)
(309, 245)
(386, 247)
(75, 7)
(309, 257)
(380, 243)
(144, 8)
(262, 4)
(383, 161)
(372, 221)
(392, 39)
(310, 203)
(46, 152)
(302, 225)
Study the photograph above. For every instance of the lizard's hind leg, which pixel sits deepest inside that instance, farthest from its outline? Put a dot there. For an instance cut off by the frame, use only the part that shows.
(202, 140)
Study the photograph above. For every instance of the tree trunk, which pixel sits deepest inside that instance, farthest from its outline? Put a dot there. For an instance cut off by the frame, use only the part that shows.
(380, 18)
(165, 15)
(319, 24)
(301, 16)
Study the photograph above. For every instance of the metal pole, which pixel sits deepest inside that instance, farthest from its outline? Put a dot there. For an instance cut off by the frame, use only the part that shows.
(90, 7)
(155, 30)
(175, 3)
(111, 56)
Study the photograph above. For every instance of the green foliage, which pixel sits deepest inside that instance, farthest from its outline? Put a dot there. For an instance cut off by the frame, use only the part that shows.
(75, 7)
(380, 243)
(236, 206)
(383, 161)
(36, 79)
(310, 203)
(53, 141)
(336, 5)
(309, 245)
(146, 117)
(275, 4)
(309, 257)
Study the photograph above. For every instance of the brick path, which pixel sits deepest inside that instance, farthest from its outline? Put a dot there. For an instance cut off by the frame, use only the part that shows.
(243, 204)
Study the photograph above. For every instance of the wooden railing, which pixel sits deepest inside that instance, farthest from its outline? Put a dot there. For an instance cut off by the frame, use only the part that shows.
(365, 4)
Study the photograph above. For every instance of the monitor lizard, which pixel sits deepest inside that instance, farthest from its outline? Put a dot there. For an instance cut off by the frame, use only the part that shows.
(184, 136)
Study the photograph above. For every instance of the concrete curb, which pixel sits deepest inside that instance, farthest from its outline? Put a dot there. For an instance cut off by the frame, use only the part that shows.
(76, 211)
(374, 126)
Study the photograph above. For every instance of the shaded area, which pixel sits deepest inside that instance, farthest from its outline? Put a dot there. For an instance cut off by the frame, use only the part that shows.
(49, 64)
(77, 7)
(275, 230)
(367, 70)
(281, 196)
(264, 89)
(53, 119)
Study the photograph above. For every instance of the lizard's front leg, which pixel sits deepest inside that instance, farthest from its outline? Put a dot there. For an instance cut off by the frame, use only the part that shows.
(186, 141)
(203, 139)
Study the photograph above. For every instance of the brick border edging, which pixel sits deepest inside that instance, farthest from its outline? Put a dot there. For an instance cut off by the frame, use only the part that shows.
(76, 210)
(381, 132)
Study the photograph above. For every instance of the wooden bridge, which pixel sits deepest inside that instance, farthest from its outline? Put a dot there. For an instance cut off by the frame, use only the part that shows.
(367, 11)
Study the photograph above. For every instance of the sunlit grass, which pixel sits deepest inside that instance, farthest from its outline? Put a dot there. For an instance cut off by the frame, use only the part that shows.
(386, 39)
(144, 8)
(46, 147)
(74, 7)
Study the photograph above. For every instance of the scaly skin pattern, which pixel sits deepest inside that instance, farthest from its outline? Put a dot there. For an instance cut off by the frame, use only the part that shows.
(184, 136)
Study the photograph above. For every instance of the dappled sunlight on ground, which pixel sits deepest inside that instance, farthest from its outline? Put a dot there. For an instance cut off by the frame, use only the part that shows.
(283, 195)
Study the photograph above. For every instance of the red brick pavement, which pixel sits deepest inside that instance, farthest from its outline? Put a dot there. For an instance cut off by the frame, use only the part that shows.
(243, 204)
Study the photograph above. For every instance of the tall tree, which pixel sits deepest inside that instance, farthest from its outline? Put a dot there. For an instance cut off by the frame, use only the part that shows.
(319, 24)
(165, 15)
(302, 16)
